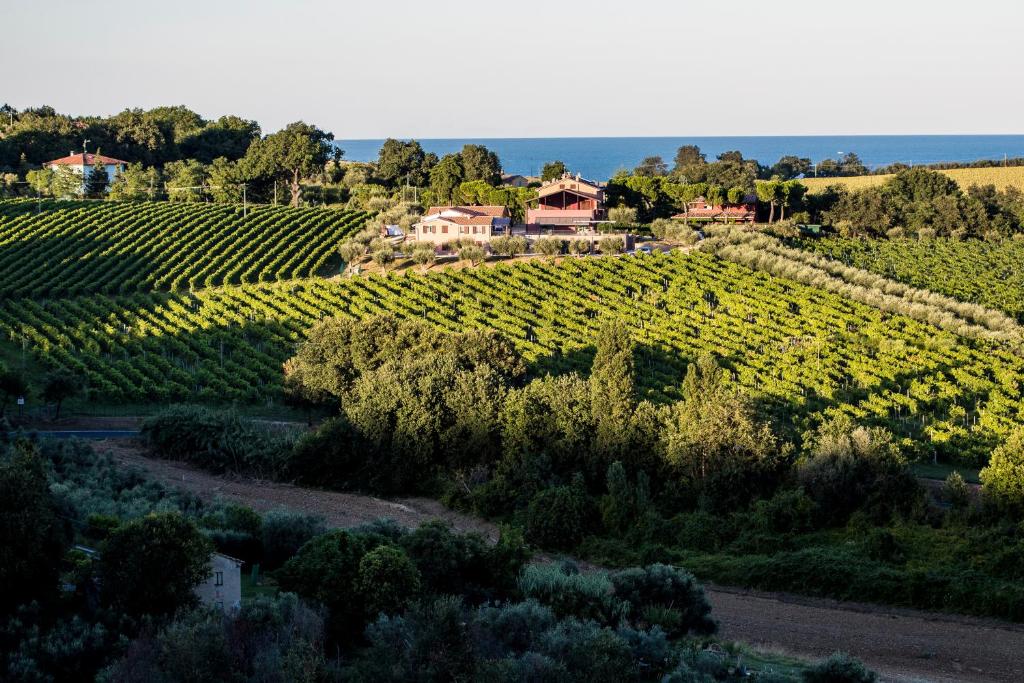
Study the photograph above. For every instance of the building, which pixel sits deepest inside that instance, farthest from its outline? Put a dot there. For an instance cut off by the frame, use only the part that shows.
(567, 205)
(516, 180)
(83, 163)
(700, 210)
(444, 224)
(223, 588)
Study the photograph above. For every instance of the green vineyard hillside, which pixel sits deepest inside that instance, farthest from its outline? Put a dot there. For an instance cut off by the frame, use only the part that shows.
(987, 273)
(802, 352)
(60, 248)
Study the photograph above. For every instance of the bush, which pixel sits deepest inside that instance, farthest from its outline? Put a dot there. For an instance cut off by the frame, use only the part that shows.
(572, 594)
(558, 518)
(549, 246)
(218, 440)
(611, 245)
(665, 596)
(388, 580)
(284, 532)
(1002, 480)
(839, 668)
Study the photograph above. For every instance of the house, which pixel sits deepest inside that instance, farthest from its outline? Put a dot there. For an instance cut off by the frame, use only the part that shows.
(223, 588)
(444, 224)
(516, 180)
(83, 163)
(568, 204)
(699, 209)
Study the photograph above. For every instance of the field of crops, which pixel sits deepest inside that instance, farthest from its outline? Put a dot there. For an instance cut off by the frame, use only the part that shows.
(802, 351)
(987, 273)
(1001, 177)
(58, 248)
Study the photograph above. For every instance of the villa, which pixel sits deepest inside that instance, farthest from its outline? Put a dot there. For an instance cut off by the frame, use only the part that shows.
(568, 204)
(443, 224)
(699, 209)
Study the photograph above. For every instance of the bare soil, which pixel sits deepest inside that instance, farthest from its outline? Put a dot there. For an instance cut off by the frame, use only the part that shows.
(901, 644)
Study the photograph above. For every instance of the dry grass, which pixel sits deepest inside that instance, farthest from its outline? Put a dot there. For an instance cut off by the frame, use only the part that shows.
(965, 177)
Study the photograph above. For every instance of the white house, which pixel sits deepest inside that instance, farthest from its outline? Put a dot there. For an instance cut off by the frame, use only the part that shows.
(443, 224)
(223, 588)
(82, 164)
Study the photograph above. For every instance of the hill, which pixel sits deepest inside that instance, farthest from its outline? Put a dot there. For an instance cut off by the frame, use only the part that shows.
(1001, 177)
(58, 248)
(803, 352)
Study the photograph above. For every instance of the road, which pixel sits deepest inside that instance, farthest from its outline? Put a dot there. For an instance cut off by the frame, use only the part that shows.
(902, 645)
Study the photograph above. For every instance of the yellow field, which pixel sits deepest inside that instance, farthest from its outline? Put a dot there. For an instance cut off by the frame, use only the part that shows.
(965, 177)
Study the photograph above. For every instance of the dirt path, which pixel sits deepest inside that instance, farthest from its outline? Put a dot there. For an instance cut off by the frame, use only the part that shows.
(903, 645)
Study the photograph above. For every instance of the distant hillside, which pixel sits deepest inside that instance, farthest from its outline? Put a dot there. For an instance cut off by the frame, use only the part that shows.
(79, 247)
(1001, 177)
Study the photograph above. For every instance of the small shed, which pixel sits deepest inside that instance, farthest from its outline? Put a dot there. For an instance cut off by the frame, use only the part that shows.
(223, 587)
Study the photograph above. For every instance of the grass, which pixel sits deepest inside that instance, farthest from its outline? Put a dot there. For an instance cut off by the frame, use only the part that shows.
(1001, 177)
(939, 471)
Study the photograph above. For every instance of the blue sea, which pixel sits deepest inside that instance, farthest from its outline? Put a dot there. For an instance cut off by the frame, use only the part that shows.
(600, 158)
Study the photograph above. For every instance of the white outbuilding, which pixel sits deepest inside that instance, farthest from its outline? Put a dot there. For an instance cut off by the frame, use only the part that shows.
(83, 163)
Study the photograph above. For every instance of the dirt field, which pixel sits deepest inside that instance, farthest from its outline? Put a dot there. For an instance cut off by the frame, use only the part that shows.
(903, 645)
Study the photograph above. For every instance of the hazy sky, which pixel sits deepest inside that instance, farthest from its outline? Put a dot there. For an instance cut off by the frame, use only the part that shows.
(458, 68)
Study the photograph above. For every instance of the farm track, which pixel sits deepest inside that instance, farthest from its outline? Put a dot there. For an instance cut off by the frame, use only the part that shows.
(903, 645)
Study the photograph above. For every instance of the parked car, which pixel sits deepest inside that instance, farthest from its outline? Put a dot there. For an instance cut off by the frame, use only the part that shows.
(645, 249)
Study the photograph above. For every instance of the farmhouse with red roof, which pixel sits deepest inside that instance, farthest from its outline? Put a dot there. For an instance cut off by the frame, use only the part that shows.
(82, 164)
(443, 224)
(699, 209)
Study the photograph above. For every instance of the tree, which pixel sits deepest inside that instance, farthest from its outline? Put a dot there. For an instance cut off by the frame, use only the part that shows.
(473, 253)
(96, 180)
(548, 246)
(13, 385)
(580, 247)
(1002, 480)
(790, 167)
(622, 217)
(768, 193)
(651, 166)
(446, 177)
(552, 170)
(559, 517)
(31, 535)
(135, 183)
(58, 386)
(225, 181)
(714, 443)
(688, 156)
(611, 245)
(424, 256)
(612, 388)
(150, 566)
(399, 162)
(480, 163)
(384, 256)
(387, 582)
(185, 180)
(292, 154)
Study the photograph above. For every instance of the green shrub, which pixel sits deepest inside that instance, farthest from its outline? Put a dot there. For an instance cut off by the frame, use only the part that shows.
(839, 668)
(584, 595)
(284, 532)
(558, 518)
(665, 596)
(218, 440)
(388, 580)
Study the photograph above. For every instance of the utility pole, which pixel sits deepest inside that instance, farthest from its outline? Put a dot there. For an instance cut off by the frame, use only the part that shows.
(275, 193)
(245, 208)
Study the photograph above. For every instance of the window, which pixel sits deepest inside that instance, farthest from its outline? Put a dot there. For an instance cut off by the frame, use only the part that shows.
(218, 578)
(444, 229)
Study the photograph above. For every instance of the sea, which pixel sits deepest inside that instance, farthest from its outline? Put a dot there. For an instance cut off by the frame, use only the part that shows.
(600, 158)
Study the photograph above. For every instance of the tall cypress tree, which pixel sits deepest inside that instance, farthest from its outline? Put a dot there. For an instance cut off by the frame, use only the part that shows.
(613, 389)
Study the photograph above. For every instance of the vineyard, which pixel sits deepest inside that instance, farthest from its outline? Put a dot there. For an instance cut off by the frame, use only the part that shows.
(987, 273)
(61, 248)
(803, 352)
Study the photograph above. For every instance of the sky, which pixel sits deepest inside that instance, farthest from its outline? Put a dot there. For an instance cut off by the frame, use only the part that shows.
(461, 68)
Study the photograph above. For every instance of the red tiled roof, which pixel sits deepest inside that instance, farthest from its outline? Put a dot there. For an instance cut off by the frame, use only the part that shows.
(495, 211)
(89, 160)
